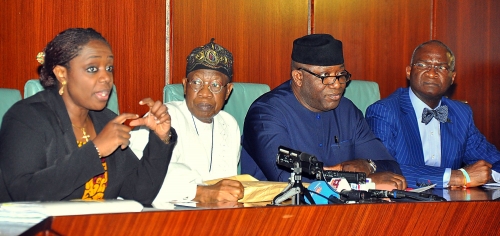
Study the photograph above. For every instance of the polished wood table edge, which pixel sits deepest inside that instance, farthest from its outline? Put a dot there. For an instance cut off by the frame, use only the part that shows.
(41, 227)
(429, 218)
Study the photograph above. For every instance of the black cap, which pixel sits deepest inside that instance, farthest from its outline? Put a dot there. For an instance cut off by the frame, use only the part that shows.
(318, 49)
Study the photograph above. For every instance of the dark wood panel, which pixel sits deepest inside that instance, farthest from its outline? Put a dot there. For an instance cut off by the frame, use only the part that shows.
(20, 41)
(472, 30)
(259, 33)
(378, 36)
(443, 218)
(136, 32)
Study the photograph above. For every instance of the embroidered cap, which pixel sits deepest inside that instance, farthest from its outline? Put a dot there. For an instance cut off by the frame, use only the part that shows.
(211, 56)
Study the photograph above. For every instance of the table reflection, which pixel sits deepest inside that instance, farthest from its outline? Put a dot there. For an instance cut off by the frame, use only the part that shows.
(220, 205)
(468, 194)
(450, 194)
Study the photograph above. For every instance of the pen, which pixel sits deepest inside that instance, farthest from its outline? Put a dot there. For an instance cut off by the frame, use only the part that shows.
(337, 141)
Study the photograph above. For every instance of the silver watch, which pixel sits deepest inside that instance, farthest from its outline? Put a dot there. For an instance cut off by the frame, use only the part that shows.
(372, 165)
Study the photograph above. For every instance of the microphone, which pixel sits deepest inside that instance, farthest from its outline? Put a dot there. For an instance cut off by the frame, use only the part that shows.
(307, 158)
(405, 194)
(322, 193)
(385, 193)
(357, 195)
(354, 195)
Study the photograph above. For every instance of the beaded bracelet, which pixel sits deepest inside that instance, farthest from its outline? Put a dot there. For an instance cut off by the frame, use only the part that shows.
(98, 153)
(467, 177)
(167, 140)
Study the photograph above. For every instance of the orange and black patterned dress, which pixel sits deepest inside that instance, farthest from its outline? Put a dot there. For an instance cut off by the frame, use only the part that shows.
(95, 187)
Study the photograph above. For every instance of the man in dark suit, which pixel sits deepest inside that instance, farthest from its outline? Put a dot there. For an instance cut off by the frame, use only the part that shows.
(308, 113)
(433, 138)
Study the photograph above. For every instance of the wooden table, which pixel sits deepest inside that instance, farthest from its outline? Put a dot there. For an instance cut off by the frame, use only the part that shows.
(466, 216)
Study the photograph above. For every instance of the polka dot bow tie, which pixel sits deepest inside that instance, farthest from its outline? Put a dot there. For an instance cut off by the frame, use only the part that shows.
(440, 114)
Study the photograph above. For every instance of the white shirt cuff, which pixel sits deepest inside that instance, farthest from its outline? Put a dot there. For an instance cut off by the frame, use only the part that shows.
(496, 176)
(179, 185)
(446, 177)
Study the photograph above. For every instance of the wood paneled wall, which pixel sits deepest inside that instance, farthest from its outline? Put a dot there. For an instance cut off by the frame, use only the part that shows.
(378, 38)
(135, 30)
(259, 33)
(472, 30)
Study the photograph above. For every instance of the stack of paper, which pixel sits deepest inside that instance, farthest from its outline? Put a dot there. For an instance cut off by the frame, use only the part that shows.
(60, 208)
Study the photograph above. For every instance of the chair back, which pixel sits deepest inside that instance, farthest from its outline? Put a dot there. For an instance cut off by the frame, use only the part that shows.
(33, 86)
(8, 98)
(362, 93)
(242, 96)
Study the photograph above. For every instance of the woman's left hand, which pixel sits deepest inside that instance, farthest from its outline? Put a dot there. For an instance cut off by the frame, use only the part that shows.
(157, 118)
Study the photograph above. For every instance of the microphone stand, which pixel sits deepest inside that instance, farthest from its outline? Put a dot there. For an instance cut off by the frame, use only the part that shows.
(295, 189)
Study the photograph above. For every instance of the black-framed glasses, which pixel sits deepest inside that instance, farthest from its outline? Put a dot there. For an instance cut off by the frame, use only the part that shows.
(343, 78)
(426, 67)
(214, 86)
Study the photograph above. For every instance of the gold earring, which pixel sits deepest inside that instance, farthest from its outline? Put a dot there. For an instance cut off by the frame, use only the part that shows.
(61, 91)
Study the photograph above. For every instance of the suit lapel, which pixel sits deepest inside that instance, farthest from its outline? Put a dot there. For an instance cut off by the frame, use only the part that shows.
(448, 146)
(55, 102)
(413, 135)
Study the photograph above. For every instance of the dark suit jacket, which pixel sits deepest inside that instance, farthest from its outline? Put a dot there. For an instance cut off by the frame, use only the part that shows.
(278, 119)
(40, 159)
(393, 120)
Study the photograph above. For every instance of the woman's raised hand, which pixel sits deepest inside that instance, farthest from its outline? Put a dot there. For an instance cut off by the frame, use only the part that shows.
(157, 118)
(115, 134)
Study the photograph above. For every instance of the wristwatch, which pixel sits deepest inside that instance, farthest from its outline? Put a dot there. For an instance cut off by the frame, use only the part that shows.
(373, 167)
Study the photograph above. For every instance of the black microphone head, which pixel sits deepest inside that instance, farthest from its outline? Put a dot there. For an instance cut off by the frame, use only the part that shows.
(308, 158)
(354, 195)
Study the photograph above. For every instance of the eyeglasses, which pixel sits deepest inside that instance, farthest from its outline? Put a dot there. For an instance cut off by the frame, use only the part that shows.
(343, 78)
(426, 67)
(214, 86)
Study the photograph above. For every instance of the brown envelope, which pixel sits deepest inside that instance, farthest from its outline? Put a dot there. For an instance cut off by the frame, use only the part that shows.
(255, 190)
